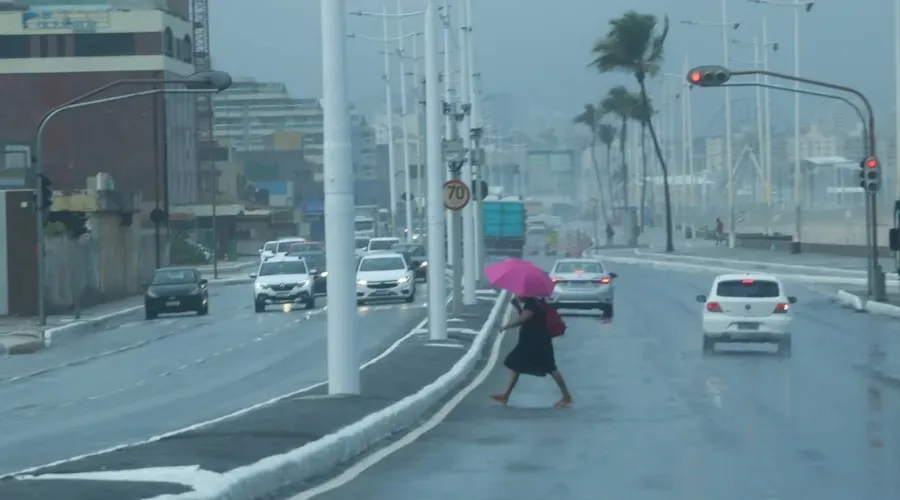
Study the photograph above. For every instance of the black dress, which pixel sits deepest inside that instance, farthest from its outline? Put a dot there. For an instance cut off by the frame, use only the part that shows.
(533, 354)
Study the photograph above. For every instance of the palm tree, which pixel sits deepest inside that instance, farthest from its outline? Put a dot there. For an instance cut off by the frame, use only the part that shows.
(643, 115)
(619, 102)
(634, 45)
(607, 135)
(590, 118)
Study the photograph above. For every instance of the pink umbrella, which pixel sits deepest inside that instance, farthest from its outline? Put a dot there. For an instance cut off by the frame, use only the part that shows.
(520, 277)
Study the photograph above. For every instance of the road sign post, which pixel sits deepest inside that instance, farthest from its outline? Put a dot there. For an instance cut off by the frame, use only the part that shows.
(456, 195)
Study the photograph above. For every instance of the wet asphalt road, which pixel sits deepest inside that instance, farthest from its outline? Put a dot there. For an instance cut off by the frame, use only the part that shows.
(145, 378)
(655, 419)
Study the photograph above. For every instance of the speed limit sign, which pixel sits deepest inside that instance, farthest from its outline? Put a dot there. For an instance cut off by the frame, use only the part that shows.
(456, 195)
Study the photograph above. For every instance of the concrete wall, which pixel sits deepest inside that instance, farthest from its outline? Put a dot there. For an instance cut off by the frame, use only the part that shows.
(111, 262)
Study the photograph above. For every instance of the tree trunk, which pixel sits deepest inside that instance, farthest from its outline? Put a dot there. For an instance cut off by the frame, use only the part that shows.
(601, 199)
(643, 210)
(623, 137)
(609, 177)
(670, 245)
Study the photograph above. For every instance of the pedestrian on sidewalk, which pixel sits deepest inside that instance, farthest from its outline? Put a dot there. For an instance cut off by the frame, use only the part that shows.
(610, 234)
(720, 231)
(533, 353)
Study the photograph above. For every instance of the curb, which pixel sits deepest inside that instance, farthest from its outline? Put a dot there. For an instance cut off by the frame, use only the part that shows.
(768, 265)
(29, 344)
(319, 457)
(100, 322)
(863, 304)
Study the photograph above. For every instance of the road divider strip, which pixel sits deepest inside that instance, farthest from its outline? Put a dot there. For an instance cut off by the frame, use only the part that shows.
(863, 304)
(768, 265)
(322, 456)
(683, 266)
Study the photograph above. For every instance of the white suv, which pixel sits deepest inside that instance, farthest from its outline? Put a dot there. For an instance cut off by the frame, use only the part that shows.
(384, 276)
(747, 308)
(283, 280)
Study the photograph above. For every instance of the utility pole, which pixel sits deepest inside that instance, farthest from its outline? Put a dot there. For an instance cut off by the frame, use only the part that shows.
(468, 213)
(454, 244)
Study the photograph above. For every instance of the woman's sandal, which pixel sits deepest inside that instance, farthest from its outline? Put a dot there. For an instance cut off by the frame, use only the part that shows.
(500, 398)
(563, 403)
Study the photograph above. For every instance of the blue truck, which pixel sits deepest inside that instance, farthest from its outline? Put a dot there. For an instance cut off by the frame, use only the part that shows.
(504, 226)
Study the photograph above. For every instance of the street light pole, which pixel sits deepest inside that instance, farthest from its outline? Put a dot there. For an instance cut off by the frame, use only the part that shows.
(437, 312)
(477, 133)
(452, 217)
(343, 355)
(389, 103)
(407, 184)
(468, 214)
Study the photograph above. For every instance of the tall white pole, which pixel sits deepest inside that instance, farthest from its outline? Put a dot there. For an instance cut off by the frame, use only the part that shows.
(729, 164)
(468, 214)
(686, 175)
(798, 202)
(389, 102)
(476, 122)
(404, 117)
(343, 362)
(420, 164)
(768, 119)
(693, 171)
(449, 124)
(437, 313)
(896, 100)
(760, 136)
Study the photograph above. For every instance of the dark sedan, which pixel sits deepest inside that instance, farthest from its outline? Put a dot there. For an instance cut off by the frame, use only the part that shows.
(415, 254)
(316, 263)
(176, 290)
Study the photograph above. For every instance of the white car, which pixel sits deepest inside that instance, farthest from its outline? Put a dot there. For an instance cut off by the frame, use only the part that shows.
(747, 308)
(583, 284)
(283, 280)
(381, 244)
(283, 245)
(362, 245)
(267, 251)
(384, 276)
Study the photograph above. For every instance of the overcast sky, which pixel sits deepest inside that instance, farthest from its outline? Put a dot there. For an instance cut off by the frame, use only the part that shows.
(537, 49)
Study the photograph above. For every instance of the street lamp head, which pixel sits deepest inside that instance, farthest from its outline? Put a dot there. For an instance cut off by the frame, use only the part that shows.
(356, 13)
(351, 35)
(736, 25)
(709, 76)
(809, 6)
(689, 22)
(214, 81)
(775, 47)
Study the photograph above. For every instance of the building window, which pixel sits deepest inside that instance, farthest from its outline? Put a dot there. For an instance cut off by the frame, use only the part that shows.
(187, 49)
(104, 45)
(14, 47)
(169, 42)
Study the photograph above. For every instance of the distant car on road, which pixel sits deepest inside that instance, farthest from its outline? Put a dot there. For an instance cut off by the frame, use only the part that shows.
(316, 262)
(747, 308)
(176, 290)
(384, 276)
(415, 255)
(306, 246)
(362, 245)
(382, 244)
(583, 284)
(283, 245)
(283, 280)
(267, 251)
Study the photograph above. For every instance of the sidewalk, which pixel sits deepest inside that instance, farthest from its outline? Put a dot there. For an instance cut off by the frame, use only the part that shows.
(23, 336)
(198, 458)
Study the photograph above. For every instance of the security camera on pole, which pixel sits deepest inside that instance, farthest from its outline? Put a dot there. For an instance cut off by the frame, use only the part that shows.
(468, 216)
(437, 313)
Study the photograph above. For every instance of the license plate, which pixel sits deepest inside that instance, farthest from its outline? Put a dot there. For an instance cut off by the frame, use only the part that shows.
(282, 294)
(748, 326)
(581, 283)
(172, 303)
(381, 293)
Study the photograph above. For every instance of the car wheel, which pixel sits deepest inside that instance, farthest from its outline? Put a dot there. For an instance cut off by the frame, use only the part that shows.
(149, 314)
(784, 347)
(259, 306)
(709, 345)
(607, 310)
(311, 303)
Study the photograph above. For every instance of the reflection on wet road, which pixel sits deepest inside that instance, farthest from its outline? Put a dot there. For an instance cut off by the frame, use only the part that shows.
(655, 419)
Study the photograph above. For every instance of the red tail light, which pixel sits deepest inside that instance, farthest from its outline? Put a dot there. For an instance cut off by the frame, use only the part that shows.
(558, 280)
(603, 281)
(713, 307)
(781, 309)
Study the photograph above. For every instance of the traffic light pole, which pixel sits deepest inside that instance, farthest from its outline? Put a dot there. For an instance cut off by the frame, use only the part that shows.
(716, 76)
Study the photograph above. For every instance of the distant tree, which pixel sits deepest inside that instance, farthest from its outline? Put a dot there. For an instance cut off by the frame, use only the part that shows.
(634, 45)
(619, 102)
(643, 115)
(607, 135)
(590, 118)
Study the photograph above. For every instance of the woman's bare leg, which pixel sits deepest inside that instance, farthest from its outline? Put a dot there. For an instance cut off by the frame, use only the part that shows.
(563, 388)
(504, 396)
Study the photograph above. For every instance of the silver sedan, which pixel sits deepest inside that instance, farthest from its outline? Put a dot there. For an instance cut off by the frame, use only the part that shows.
(583, 284)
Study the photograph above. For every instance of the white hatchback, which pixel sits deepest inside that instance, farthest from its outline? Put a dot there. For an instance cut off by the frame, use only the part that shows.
(747, 308)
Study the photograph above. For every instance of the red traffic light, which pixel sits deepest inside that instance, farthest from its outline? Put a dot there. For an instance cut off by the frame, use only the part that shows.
(695, 77)
(871, 162)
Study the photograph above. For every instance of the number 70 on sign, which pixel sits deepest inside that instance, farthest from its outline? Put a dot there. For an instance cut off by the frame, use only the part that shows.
(456, 195)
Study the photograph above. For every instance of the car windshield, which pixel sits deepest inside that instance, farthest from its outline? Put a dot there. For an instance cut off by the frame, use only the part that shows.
(579, 267)
(269, 247)
(364, 225)
(382, 244)
(362, 243)
(284, 246)
(405, 248)
(283, 267)
(174, 277)
(316, 260)
(306, 247)
(382, 264)
(748, 289)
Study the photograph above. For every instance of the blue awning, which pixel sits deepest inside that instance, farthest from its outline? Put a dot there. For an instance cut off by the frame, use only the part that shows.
(314, 206)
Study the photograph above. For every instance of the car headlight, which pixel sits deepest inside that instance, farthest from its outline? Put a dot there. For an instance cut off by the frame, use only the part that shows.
(424, 264)
(323, 274)
(152, 295)
(302, 283)
(261, 286)
(362, 282)
(403, 279)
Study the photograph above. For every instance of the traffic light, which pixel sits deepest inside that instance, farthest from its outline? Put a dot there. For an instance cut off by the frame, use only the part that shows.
(708, 76)
(46, 190)
(870, 174)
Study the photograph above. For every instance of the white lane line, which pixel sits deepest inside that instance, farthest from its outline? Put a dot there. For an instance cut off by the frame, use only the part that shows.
(370, 460)
(387, 352)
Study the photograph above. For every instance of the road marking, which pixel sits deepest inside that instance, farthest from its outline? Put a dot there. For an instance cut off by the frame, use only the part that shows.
(387, 352)
(435, 344)
(368, 461)
(192, 476)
